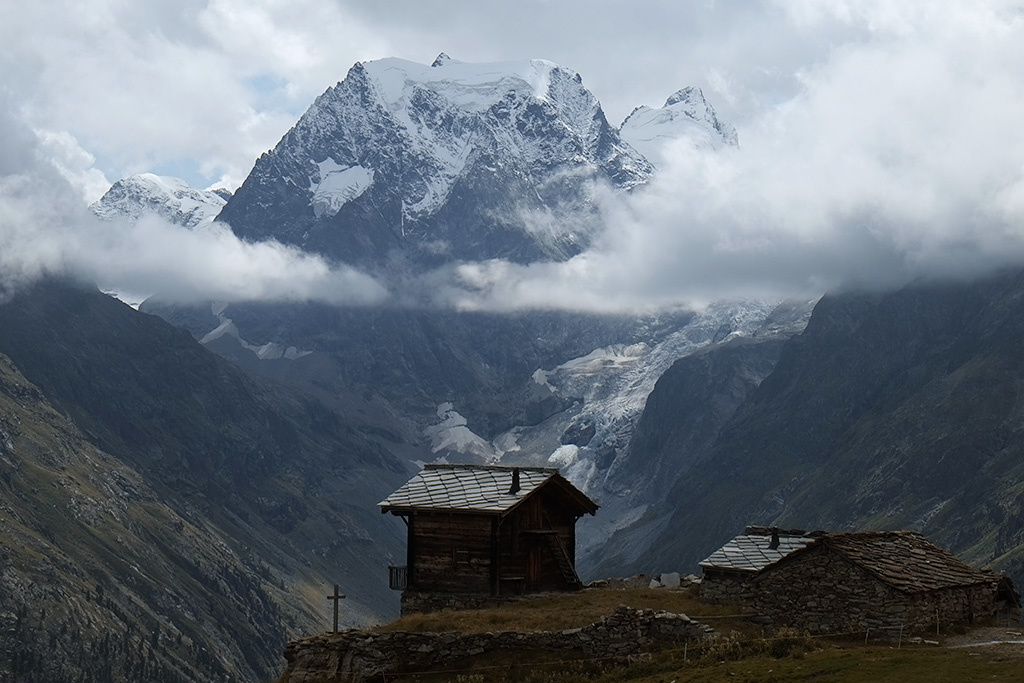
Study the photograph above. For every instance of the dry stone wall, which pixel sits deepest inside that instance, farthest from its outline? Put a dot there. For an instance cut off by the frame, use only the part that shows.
(825, 593)
(355, 656)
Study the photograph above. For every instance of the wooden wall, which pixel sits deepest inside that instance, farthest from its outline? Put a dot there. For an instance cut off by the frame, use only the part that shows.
(450, 552)
(484, 553)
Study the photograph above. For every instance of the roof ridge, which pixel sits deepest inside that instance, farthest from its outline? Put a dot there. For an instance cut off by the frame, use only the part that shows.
(486, 489)
(497, 468)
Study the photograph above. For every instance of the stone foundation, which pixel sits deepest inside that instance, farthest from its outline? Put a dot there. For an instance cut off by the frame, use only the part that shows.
(414, 601)
(355, 656)
(723, 588)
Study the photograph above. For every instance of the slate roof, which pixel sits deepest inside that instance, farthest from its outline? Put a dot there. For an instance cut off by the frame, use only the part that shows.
(905, 560)
(474, 488)
(750, 552)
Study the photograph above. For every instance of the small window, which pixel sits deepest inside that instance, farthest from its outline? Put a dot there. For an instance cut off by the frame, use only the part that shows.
(461, 556)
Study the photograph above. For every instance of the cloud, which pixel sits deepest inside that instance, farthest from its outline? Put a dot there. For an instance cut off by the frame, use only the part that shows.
(46, 230)
(199, 88)
(898, 159)
(210, 263)
(878, 139)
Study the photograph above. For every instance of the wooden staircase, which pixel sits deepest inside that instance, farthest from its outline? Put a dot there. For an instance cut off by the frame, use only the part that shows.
(565, 564)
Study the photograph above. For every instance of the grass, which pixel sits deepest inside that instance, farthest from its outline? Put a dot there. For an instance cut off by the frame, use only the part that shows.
(558, 611)
(830, 663)
(745, 653)
(845, 665)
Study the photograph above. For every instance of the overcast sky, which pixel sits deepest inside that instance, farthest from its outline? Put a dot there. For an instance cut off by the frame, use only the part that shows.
(879, 140)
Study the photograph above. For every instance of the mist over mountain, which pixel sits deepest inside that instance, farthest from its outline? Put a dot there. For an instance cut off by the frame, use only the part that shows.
(416, 173)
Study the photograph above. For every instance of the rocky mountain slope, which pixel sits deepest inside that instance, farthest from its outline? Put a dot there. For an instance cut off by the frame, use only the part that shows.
(898, 410)
(102, 580)
(169, 510)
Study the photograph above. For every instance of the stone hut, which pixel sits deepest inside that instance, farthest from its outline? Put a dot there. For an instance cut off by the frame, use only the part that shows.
(727, 570)
(887, 580)
(479, 532)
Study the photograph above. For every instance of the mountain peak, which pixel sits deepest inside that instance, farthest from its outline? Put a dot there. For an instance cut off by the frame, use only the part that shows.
(686, 114)
(170, 198)
(441, 60)
(690, 95)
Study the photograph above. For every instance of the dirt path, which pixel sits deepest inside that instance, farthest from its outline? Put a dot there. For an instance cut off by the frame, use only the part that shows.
(1012, 636)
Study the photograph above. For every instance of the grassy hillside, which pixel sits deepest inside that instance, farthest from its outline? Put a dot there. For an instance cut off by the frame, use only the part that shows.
(152, 494)
(99, 579)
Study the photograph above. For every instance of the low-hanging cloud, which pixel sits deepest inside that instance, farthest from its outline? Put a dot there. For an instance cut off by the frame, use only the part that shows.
(212, 263)
(899, 159)
(46, 230)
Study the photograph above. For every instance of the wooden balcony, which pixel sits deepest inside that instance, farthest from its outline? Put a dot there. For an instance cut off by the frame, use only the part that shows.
(398, 578)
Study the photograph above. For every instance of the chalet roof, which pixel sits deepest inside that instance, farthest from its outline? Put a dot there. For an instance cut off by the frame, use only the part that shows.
(476, 488)
(750, 552)
(905, 560)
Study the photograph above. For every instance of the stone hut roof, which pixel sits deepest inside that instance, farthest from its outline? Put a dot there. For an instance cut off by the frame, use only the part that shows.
(485, 489)
(904, 560)
(752, 551)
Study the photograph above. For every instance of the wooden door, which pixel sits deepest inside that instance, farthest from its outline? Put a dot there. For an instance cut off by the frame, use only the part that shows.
(533, 571)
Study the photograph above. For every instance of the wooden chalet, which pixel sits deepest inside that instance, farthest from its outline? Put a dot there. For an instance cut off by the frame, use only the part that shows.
(488, 530)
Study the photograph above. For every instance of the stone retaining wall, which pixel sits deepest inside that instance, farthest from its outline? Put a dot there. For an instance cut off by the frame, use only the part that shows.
(355, 656)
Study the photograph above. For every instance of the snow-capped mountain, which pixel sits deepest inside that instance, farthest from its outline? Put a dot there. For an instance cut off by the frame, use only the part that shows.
(432, 164)
(403, 168)
(410, 167)
(686, 115)
(172, 199)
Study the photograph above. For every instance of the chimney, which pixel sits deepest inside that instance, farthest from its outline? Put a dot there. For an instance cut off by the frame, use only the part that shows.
(774, 545)
(514, 489)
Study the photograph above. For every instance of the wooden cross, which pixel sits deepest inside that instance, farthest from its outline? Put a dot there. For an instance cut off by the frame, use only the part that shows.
(337, 597)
